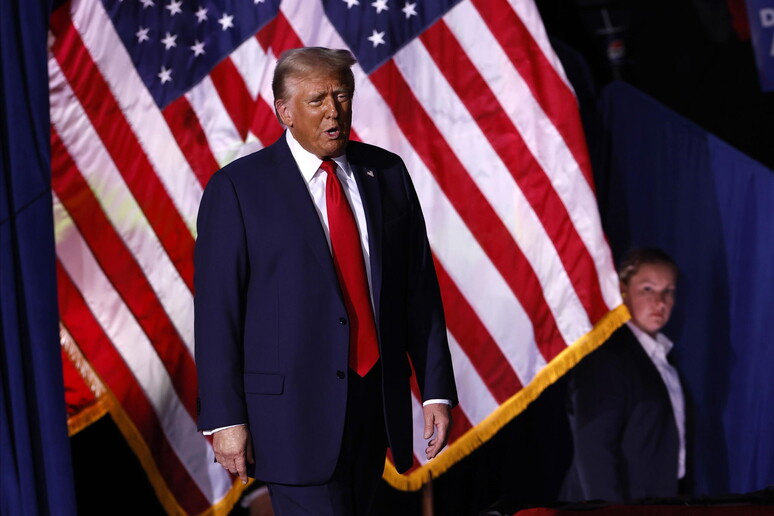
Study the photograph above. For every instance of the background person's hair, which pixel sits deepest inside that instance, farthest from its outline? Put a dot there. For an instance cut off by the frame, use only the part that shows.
(298, 62)
(636, 258)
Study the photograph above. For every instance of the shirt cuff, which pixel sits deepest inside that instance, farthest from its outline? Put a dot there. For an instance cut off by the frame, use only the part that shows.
(210, 432)
(430, 402)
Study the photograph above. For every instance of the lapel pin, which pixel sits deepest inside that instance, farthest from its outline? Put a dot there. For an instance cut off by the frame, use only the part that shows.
(370, 173)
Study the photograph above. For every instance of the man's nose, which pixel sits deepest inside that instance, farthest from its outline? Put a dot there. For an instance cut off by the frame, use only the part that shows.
(331, 108)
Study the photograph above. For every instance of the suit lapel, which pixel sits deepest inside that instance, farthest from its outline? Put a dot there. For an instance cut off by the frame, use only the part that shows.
(291, 188)
(368, 184)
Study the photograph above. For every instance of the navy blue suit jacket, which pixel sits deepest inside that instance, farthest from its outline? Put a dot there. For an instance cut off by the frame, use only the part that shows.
(271, 335)
(624, 433)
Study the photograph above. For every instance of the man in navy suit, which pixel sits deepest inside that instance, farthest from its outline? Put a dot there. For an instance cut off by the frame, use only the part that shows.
(302, 385)
(625, 402)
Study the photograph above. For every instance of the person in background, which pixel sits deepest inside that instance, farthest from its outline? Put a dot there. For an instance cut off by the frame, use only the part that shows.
(625, 403)
(314, 286)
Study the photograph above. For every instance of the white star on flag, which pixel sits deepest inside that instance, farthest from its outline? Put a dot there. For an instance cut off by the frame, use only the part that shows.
(350, 3)
(165, 75)
(226, 21)
(198, 48)
(380, 5)
(410, 9)
(377, 38)
(169, 41)
(174, 7)
(201, 14)
(147, 3)
(142, 34)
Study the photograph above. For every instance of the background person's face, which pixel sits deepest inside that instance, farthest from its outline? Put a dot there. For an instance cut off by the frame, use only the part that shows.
(318, 112)
(650, 296)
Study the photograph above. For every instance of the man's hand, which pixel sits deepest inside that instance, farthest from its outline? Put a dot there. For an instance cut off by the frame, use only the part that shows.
(233, 450)
(438, 418)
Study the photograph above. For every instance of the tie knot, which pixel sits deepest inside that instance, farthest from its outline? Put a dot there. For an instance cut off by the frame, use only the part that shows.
(329, 166)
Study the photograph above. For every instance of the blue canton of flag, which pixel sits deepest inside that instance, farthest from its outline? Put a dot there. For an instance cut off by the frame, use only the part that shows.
(175, 43)
(376, 30)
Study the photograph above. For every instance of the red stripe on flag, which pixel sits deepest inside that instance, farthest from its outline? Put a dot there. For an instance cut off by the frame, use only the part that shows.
(479, 345)
(506, 140)
(99, 351)
(233, 92)
(120, 141)
(551, 92)
(278, 36)
(460, 424)
(119, 265)
(472, 206)
(265, 125)
(190, 137)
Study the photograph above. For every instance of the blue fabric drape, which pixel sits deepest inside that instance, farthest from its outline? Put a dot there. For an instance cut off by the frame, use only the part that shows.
(35, 464)
(665, 182)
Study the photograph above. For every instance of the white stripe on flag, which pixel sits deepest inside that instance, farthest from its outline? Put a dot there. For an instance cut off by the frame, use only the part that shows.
(253, 65)
(476, 401)
(528, 12)
(221, 133)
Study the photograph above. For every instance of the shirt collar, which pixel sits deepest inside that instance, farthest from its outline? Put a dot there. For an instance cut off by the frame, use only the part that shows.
(660, 346)
(307, 162)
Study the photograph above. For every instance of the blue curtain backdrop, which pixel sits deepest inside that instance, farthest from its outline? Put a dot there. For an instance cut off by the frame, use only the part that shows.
(35, 465)
(664, 181)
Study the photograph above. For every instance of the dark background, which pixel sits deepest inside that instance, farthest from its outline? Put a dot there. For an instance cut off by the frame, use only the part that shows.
(693, 56)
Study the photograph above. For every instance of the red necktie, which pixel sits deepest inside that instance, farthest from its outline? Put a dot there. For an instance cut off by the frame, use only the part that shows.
(350, 268)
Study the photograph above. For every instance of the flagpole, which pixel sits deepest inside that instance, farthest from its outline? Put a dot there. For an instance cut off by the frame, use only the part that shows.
(427, 499)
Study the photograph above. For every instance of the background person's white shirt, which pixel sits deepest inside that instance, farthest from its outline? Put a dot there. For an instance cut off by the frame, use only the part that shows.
(658, 349)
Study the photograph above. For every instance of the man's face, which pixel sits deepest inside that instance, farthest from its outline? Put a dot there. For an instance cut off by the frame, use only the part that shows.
(650, 296)
(318, 112)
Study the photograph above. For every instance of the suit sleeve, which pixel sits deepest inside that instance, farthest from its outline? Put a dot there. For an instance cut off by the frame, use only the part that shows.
(596, 409)
(428, 346)
(220, 279)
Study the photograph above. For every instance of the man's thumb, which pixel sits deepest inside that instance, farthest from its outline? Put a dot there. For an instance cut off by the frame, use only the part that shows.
(428, 428)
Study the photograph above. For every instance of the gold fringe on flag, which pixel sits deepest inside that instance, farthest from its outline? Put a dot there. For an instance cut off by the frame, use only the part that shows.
(87, 415)
(514, 406)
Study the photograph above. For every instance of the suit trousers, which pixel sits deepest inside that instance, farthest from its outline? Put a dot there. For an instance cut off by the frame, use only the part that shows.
(352, 488)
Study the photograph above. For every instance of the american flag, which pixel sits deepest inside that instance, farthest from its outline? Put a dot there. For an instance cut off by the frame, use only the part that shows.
(150, 97)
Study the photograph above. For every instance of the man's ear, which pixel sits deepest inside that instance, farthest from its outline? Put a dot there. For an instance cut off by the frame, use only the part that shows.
(283, 113)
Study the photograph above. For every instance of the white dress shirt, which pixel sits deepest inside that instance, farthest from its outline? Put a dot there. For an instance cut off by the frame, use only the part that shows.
(658, 349)
(316, 179)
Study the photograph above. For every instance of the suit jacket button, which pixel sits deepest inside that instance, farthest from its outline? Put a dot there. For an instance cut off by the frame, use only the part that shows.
(340, 375)
(342, 321)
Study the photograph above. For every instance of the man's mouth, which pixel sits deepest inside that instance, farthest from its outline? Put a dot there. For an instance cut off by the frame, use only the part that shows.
(333, 132)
